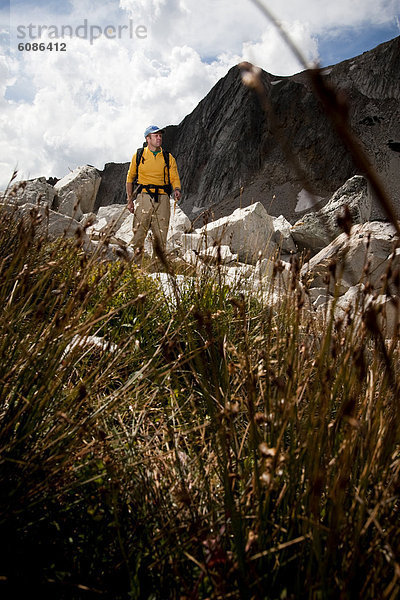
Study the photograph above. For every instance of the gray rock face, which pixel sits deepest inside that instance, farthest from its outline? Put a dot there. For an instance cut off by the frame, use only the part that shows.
(316, 230)
(229, 151)
(112, 186)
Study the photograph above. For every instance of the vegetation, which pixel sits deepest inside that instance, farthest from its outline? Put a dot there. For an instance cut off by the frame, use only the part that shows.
(213, 444)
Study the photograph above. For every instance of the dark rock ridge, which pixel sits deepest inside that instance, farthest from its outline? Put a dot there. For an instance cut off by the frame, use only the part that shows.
(230, 154)
(112, 186)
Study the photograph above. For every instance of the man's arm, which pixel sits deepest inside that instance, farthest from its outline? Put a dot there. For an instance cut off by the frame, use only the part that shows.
(129, 183)
(174, 178)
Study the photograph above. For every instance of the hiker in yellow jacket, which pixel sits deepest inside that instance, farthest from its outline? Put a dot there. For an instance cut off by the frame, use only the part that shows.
(157, 177)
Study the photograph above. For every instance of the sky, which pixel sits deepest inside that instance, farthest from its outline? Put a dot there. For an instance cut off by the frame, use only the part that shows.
(80, 80)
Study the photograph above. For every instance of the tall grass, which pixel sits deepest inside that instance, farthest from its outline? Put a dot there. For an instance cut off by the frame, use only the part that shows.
(217, 445)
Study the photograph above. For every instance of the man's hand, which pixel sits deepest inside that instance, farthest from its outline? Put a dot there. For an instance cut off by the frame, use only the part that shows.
(130, 205)
(177, 194)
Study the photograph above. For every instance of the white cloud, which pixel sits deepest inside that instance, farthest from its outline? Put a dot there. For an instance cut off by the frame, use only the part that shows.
(92, 103)
(272, 53)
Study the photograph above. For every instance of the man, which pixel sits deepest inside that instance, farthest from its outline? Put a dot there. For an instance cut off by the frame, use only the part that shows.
(156, 182)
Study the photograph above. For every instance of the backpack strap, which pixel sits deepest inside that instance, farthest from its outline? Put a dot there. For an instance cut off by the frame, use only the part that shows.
(168, 186)
(139, 157)
(166, 160)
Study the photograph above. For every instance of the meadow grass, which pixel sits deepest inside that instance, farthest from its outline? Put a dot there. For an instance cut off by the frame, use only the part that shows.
(216, 444)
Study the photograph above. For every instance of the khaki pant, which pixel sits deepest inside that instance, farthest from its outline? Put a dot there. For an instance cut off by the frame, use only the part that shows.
(150, 214)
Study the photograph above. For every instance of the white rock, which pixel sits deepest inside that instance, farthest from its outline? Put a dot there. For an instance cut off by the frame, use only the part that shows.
(193, 241)
(319, 296)
(370, 243)
(91, 341)
(84, 182)
(114, 213)
(114, 221)
(32, 192)
(171, 287)
(125, 233)
(48, 222)
(247, 231)
(95, 230)
(283, 236)
(218, 254)
(322, 298)
(265, 271)
(179, 221)
(88, 220)
(356, 301)
(239, 275)
(190, 257)
(69, 205)
(316, 230)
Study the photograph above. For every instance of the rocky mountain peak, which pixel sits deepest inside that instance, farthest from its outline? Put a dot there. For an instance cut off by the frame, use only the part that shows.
(231, 154)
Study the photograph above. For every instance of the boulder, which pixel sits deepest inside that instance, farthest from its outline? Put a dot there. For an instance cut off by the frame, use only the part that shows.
(265, 269)
(356, 302)
(218, 254)
(319, 296)
(190, 257)
(109, 220)
(115, 217)
(317, 229)
(192, 242)
(283, 235)
(69, 205)
(50, 223)
(369, 244)
(84, 183)
(35, 191)
(388, 315)
(88, 219)
(179, 221)
(83, 343)
(247, 231)
(179, 224)
(241, 275)
(124, 233)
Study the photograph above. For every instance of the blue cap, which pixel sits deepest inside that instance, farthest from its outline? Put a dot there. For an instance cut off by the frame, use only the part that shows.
(152, 129)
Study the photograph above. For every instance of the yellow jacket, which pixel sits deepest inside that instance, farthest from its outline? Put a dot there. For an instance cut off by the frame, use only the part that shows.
(152, 169)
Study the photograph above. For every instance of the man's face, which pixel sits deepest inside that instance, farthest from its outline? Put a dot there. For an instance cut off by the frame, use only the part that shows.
(155, 139)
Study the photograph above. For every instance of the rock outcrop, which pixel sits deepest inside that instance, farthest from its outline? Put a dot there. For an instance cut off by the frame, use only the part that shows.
(359, 257)
(48, 222)
(112, 186)
(248, 232)
(35, 191)
(77, 191)
(231, 153)
(317, 229)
